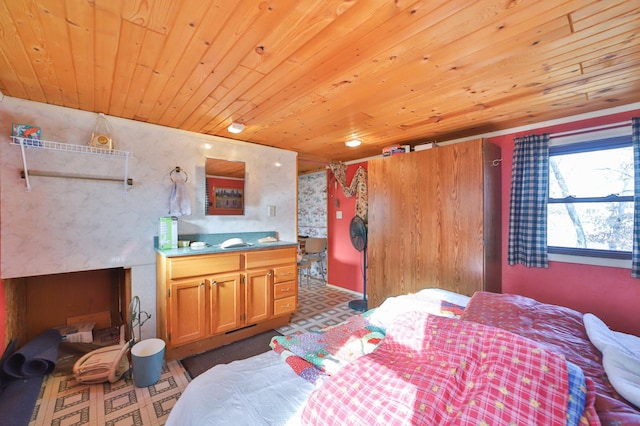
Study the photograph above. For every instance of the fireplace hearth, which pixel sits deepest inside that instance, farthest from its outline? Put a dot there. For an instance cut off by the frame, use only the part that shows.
(37, 303)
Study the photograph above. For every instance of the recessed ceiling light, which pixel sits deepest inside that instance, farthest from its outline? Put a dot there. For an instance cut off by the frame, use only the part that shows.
(235, 127)
(353, 143)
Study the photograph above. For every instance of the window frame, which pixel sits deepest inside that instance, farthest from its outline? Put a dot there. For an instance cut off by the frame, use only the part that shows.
(581, 146)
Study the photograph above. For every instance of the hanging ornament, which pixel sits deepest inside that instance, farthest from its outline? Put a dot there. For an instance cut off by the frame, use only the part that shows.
(102, 134)
(357, 186)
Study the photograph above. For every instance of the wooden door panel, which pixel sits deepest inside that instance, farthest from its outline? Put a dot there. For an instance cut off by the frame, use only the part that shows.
(225, 302)
(258, 296)
(187, 300)
(461, 206)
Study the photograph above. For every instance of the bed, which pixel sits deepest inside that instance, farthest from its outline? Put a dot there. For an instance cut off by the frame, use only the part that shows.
(428, 358)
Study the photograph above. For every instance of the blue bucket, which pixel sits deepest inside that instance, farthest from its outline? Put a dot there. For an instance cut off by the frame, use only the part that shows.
(147, 356)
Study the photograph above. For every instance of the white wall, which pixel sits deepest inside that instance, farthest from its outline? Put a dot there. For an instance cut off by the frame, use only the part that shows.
(65, 225)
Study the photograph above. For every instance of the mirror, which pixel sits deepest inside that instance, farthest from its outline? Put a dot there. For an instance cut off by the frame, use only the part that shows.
(224, 187)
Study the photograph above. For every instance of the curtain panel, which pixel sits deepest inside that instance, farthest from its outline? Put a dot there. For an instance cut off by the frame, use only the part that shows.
(635, 255)
(528, 204)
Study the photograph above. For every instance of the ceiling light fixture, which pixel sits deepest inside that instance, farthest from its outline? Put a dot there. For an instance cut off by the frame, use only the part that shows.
(235, 127)
(353, 143)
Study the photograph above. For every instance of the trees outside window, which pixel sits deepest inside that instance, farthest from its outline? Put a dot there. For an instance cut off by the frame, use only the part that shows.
(590, 210)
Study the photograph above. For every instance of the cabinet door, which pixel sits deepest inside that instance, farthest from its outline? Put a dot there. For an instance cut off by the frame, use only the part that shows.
(224, 298)
(258, 296)
(187, 311)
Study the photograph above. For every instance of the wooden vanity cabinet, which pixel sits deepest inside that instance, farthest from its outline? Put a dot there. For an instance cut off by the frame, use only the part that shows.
(209, 300)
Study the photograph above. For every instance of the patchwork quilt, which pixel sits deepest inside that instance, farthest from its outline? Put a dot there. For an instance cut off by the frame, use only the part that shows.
(317, 354)
(432, 370)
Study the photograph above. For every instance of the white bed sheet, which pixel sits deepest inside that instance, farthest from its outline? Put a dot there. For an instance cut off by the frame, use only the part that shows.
(261, 390)
(427, 300)
(264, 390)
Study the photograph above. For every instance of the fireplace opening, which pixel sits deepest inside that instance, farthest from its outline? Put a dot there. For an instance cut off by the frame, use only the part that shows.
(37, 303)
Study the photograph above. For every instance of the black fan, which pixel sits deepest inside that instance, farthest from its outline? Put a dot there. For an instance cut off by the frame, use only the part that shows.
(358, 233)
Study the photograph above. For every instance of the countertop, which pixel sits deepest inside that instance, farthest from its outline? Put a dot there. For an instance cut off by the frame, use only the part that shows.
(213, 242)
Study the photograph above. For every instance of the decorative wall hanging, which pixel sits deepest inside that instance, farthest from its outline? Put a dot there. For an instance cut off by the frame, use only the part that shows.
(358, 186)
(102, 135)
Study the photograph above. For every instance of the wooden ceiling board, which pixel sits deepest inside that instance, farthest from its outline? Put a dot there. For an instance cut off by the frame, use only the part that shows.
(351, 100)
(597, 14)
(221, 62)
(269, 55)
(107, 34)
(129, 47)
(307, 75)
(157, 16)
(30, 31)
(15, 51)
(142, 72)
(276, 84)
(54, 26)
(81, 19)
(316, 63)
(227, 93)
(179, 55)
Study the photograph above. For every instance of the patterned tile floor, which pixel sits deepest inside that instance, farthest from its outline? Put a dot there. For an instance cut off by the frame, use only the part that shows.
(64, 402)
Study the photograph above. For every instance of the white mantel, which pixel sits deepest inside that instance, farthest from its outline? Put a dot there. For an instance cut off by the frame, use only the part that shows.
(66, 225)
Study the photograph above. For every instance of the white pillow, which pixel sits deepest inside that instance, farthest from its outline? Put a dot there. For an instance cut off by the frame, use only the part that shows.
(426, 300)
(602, 337)
(623, 370)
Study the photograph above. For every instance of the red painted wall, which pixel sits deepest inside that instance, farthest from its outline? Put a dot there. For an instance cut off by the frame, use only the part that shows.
(609, 293)
(345, 263)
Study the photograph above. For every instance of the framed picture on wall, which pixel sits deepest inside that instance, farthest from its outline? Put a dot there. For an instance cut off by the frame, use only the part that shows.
(228, 199)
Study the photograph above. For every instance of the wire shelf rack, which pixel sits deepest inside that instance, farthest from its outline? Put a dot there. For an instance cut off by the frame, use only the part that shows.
(24, 143)
(68, 147)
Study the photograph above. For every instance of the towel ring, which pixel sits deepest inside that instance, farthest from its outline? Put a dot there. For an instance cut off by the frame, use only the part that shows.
(178, 171)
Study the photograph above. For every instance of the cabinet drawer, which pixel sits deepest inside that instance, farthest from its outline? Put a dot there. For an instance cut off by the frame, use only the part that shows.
(268, 258)
(284, 273)
(284, 290)
(190, 266)
(284, 306)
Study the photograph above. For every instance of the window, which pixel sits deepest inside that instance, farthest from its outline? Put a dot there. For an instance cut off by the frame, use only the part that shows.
(590, 210)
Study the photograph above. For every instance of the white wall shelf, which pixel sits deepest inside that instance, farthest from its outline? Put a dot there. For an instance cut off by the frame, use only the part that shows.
(24, 143)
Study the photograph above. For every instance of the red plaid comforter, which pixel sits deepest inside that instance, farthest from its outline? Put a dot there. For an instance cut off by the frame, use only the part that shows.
(431, 370)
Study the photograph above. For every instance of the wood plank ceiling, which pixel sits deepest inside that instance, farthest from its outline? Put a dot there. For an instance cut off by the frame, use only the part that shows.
(307, 75)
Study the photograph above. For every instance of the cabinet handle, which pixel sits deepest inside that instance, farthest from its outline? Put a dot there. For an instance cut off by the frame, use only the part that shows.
(269, 273)
(286, 274)
(202, 284)
(213, 282)
(286, 306)
(285, 289)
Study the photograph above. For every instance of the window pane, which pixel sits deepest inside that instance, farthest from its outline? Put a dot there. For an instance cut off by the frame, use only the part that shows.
(591, 174)
(602, 226)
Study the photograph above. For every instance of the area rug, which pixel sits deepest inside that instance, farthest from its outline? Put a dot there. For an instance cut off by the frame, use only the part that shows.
(246, 348)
